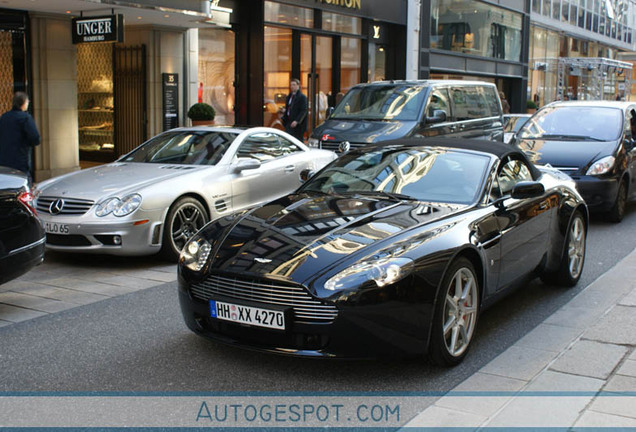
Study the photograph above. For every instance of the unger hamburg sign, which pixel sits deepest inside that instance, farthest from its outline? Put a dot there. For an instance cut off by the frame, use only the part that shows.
(108, 28)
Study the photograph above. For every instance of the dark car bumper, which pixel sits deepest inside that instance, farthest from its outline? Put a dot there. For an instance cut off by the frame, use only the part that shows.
(21, 260)
(393, 329)
(599, 194)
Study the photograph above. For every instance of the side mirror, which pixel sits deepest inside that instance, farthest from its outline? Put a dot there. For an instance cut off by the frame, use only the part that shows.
(306, 174)
(330, 111)
(439, 116)
(246, 164)
(527, 189)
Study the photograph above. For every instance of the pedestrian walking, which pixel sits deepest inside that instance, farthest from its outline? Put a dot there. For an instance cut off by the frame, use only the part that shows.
(504, 103)
(18, 135)
(295, 115)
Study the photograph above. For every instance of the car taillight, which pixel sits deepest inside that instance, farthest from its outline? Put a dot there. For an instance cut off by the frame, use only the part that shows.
(27, 198)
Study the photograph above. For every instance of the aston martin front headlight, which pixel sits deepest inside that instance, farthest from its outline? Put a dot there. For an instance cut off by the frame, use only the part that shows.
(119, 207)
(383, 272)
(195, 254)
(602, 166)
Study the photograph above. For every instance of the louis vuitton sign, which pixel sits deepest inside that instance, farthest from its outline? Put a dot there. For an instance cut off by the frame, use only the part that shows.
(349, 4)
(109, 28)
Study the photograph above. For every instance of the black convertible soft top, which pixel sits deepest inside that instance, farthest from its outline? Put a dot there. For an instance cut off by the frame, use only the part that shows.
(498, 149)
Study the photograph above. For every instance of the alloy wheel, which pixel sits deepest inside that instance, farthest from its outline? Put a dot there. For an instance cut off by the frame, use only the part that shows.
(576, 247)
(460, 312)
(188, 219)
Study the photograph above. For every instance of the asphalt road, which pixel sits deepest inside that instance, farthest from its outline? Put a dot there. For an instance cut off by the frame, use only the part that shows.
(138, 342)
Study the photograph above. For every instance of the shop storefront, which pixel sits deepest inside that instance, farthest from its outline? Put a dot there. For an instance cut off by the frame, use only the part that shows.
(477, 40)
(329, 45)
(14, 56)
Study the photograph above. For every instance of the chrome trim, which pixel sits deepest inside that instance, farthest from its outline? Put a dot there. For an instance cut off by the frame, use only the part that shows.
(306, 308)
(29, 246)
(70, 206)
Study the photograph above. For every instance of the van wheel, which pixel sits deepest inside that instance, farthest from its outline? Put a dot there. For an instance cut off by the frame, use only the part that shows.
(186, 216)
(455, 316)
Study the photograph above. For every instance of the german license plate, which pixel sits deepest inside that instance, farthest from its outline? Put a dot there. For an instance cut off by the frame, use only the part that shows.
(247, 315)
(55, 228)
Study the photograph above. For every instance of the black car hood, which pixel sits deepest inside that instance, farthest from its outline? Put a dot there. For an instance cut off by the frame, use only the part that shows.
(364, 131)
(297, 237)
(578, 154)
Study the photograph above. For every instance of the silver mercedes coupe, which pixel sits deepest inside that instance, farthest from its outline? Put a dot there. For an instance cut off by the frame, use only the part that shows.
(156, 197)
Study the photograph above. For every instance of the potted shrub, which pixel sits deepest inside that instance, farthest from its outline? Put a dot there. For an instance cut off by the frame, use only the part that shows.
(531, 106)
(201, 114)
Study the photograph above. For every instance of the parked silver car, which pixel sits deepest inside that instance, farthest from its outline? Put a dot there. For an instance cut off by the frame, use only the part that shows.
(157, 196)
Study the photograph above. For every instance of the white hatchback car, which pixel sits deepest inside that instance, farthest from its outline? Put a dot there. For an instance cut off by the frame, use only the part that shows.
(157, 196)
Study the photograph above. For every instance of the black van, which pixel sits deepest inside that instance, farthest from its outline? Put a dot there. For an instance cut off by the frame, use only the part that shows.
(386, 110)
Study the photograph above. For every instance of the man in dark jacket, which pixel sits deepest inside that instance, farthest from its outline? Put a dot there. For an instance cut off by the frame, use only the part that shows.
(295, 115)
(18, 135)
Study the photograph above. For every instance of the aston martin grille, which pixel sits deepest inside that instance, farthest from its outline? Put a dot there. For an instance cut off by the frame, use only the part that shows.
(306, 308)
(65, 206)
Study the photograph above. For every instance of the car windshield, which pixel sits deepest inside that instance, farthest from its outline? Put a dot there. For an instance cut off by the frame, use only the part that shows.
(183, 147)
(381, 102)
(432, 175)
(577, 123)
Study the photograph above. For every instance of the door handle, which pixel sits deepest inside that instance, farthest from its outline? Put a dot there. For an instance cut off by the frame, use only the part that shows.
(290, 168)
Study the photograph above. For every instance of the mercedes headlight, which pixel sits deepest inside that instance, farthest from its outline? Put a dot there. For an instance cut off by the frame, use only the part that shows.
(195, 254)
(118, 207)
(601, 166)
(383, 272)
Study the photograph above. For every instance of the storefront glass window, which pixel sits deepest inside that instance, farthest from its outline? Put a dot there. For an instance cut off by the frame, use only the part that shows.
(278, 66)
(6, 71)
(290, 15)
(216, 72)
(350, 63)
(341, 23)
(377, 63)
(476, 28)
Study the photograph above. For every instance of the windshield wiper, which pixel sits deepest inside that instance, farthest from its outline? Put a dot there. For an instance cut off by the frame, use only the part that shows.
(392, 195)
(569, 137)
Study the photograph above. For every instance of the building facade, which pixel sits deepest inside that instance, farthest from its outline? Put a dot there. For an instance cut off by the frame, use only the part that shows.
(576, 48)
(484, 40)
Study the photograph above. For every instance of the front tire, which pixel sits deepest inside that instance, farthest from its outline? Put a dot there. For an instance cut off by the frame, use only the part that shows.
(455, 316)
(571, 266)
(617, 212)
(186, 216)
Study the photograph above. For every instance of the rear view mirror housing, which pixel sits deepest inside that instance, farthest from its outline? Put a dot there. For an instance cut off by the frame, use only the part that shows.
(439, 116)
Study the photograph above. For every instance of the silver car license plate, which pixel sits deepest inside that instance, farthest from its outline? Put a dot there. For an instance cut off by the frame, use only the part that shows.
(247, 315)
(55, 228)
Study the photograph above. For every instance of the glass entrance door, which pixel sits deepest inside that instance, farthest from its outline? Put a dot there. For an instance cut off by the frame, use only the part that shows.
(316, 71)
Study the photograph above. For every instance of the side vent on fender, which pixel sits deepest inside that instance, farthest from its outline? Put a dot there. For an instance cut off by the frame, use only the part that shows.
(220, 206)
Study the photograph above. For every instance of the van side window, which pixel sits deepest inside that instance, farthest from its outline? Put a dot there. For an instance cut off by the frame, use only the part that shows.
(469, 103)
(492, 101)
(438, 100)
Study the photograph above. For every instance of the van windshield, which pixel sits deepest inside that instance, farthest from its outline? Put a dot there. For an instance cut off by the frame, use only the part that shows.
(382, 102)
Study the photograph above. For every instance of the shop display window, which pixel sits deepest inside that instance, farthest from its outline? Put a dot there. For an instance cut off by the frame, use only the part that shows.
(95, 102)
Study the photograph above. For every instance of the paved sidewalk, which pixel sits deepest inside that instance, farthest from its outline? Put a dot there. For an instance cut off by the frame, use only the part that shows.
(65, 281)
(576, 369)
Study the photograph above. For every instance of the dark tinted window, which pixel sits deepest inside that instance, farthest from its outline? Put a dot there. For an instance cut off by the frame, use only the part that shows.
(492, 101)
(184, 147)
(438, 100)
(469, 103)
(511, 173)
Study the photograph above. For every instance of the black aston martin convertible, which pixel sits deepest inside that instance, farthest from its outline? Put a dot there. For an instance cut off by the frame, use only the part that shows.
(392, 250)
